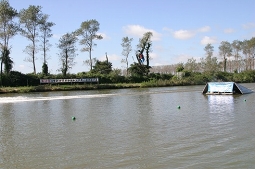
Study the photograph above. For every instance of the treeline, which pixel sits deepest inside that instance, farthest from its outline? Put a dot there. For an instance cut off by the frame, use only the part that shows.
(237, 57)
(15, 79)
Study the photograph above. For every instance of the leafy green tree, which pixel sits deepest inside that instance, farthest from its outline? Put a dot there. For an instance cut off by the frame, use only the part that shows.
(45, 29)
(8, 29)
(8, 62)
(225, 50)
(145, 43)
(67, 52)
(180, 67)
(30, 21)
(136, 69)
(127, 48)
(102, 67)
(88, 31)
(45, 69)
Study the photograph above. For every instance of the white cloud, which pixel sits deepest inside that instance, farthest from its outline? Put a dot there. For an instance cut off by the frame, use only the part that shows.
(248, 25)
(183, 34)
(138, 31)
(204, 29)
(206, 40)
(229, 30)
(187, 34)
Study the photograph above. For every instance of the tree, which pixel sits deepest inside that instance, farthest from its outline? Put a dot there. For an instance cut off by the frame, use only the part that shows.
(127, 48)
(136, 69)
(7, 61)
(67, 52)
(30, 21)
(191, 65)
(237, 47)
(45, 29)
(45, 69)
(144, 44)
(251, 45)
(102, 67)
(225, 50)
(209, 50)
(209, 64)
(245, 50)
(248, 48)
(8, 29)
(88, 31)
(180, 67)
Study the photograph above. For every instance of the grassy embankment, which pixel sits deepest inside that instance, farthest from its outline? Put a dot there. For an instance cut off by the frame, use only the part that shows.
(45, 88)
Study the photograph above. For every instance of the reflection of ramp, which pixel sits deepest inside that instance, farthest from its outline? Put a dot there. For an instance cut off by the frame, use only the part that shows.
(225, 88)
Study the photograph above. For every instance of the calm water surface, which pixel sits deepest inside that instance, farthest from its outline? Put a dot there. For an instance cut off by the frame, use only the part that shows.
(128, 129)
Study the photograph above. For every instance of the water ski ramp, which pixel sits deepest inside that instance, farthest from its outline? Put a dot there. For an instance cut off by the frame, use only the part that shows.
(225, 88)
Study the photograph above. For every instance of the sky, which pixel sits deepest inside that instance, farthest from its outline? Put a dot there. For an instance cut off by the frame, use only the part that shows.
(181, 29)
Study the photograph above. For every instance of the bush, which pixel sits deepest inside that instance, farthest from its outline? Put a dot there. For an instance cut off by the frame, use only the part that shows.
(14, 79)
(244, 77)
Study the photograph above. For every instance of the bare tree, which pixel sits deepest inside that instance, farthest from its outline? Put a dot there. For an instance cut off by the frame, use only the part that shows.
(191, 65)
(45, 29)
(127, 48)
(225, 50)
(30, 21)
(210, 63)
(237, 47)
(88, 31)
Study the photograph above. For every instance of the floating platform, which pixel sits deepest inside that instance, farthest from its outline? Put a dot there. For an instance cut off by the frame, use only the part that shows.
(225, 88)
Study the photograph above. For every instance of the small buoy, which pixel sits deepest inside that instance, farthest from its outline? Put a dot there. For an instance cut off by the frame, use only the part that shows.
(73, 118)
(179, 107)
(245, 100)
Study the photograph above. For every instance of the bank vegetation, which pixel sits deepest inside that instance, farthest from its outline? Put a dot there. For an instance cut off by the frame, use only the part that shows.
(234, 61)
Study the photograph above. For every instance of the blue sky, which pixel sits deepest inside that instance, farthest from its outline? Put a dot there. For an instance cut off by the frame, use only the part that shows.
(181, 29)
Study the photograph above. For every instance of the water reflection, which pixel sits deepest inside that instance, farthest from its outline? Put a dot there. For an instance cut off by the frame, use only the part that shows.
(222, 119)
(220, 103)
(221, 108)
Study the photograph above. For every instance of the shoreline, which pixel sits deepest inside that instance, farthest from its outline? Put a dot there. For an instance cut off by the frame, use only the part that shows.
(48, 88)
(57, 87)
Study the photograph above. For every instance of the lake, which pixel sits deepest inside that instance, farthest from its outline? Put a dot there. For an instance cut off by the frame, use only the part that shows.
(147, 128)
